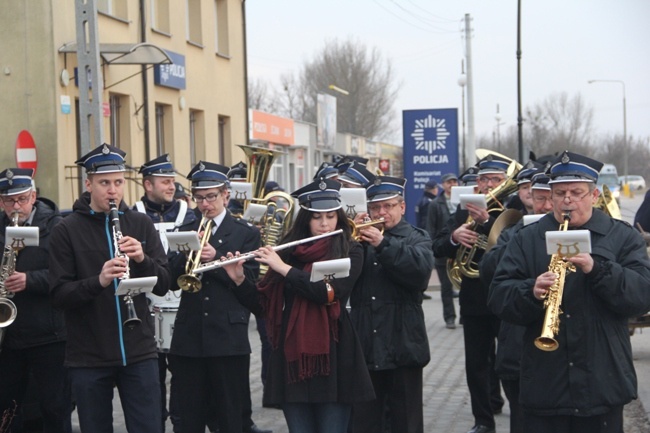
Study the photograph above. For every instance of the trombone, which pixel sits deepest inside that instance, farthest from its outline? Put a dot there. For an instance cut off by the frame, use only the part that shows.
(189, 281)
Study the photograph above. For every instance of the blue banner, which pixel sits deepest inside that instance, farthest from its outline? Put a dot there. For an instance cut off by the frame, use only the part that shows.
(430, 150)
(172, 75)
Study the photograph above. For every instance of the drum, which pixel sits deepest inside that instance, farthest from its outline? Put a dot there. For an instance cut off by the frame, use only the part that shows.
(164, 317)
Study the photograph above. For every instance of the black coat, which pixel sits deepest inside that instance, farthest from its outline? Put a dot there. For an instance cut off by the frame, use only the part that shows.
(592, 370)
(80, 245)
(387, 299)
(36, 321)
(212, 322)
(437, 217)
(349, 380)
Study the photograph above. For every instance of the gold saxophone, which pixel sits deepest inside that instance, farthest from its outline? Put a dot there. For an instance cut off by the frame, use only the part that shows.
(559, 266)
(8, 310)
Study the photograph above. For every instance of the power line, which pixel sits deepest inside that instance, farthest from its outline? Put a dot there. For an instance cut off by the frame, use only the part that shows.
(431, 29)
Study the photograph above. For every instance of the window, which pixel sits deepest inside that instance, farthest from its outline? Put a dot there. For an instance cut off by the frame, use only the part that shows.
(221, 27)
(193, 21)
(160, 15)
(116, 8)
(114, 101)
(163, 127)
(197, 136)
(224, 137)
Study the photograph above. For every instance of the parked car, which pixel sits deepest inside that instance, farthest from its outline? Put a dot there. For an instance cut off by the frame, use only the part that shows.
(636, 182)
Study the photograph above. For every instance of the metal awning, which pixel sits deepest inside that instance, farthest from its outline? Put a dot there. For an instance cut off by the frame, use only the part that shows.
(126, 54)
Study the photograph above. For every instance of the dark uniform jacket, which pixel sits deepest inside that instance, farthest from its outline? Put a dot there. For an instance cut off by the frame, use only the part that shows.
(437, 217)
(212, 322)
(349, 380)
(387, 299)
(592, 369)
(80, 245)
(473, 293)
(36, 321)
(166, 212)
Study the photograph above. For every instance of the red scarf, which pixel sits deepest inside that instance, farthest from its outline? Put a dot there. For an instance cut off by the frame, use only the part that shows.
(307, 341)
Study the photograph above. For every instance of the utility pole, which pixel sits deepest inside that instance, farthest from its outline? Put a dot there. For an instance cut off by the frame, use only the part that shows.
(471, 144)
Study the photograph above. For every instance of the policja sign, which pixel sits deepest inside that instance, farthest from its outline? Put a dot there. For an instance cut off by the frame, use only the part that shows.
(430, 150)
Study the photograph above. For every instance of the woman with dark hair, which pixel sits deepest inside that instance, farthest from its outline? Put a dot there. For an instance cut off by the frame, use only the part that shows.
(316, 369)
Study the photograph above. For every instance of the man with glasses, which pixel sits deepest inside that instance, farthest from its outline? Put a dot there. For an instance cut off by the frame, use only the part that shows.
(584, 383)
(387, 311)
(480, 325)
(210, 351)
(33, 345)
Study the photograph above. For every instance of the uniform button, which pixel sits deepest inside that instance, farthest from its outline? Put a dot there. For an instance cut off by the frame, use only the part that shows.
(376, 365)
(570, 364)
(568, 316)
(373, 298)
(576, 410)
(374, 330)
(374, 263)
(205, 314)
(206, 298)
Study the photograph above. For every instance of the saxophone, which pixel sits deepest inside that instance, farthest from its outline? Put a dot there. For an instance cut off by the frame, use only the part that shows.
(559, 266)
(8, 309)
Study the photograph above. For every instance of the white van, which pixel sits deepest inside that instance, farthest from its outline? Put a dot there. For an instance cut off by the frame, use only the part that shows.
(609, 169)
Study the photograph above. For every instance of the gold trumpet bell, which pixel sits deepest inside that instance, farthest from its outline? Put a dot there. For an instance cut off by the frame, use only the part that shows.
(8, 312)
(189, 283)
(367, 222)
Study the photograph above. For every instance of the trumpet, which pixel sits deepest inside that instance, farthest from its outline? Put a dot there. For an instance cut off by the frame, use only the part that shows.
(367, 222)
(189, 281)
(216, 264)
(8, 310)
(132, 319)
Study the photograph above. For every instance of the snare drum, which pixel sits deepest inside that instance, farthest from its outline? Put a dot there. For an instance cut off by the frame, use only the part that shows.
(164, 315)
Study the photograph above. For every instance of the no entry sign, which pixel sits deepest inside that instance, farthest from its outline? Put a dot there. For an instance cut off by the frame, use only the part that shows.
(26, 151)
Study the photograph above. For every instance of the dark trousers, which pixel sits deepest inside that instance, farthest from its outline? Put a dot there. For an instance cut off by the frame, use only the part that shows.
(139, 391)
(480, 333)
(610, 422)
(223, 378)
(45, 363)
(446, 293)
(511, 388)
(400, 391)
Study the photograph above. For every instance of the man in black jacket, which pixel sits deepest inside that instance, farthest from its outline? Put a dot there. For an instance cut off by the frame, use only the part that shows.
(210, 351)
(85, 271)
(34, 342)
(387, 311)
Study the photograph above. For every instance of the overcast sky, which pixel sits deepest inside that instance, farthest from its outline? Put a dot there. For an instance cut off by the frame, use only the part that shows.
(565, 43)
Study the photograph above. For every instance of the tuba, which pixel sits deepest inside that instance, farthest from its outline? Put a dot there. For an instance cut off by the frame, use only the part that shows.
(132, 319)
(607, 203)
(189, 281)
(465, 264)
(8, 310)
(553, 299)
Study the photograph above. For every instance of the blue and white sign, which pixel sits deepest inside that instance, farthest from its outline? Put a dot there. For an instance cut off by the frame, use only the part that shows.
(172, 75)
(430, 150)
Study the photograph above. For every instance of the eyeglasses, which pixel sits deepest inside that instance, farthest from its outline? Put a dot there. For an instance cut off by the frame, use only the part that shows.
(385, 206)
(539, 199)
(11, 201)
(209, 198)
(572, 196)
(493, 179)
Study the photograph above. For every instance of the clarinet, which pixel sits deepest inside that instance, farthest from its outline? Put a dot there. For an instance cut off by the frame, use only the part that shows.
(132, 319)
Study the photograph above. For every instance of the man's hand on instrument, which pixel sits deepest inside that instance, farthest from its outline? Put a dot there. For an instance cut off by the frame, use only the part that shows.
(132, 248)
(465, 236)
(372, 235)
(542, 284)
(269, 257)
(361, 217)
(583, 261)
(113, 268)
(208, 253)
(235, 270)
(16, 282)
(478, 214)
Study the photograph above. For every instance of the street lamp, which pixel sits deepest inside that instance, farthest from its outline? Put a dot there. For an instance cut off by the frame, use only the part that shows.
(625, 173)
(338, 89)
(462, 81)
(498, 118)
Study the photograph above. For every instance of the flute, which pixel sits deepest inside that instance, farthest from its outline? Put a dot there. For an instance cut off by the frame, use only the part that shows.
(216, 264)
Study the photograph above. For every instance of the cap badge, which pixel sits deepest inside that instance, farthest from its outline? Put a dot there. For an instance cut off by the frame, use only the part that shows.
(322, 185)
(10, 174)
(377, 182)
(167, 158)
(565, 159)
(105, 149)
(201, 167)
(489, 158)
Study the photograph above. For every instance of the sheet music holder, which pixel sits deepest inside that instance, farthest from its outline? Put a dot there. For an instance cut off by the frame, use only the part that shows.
(353, 201)
(568, 243)
(136, 286)
(529, 219)
(475, 199)
(241, 190)
(330, 269)
(21, 237)
(183, 242)
(254, 212)
(456, 191)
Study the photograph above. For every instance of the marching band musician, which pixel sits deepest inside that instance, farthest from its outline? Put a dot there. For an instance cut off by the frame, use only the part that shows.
(387, 311)
(316, 370)
(584, 383)
(354, 175)
(523, 201)
(507, 362)
(210, 351)
(34, 344)
(167, 214)
(84, 274)
(480, 326)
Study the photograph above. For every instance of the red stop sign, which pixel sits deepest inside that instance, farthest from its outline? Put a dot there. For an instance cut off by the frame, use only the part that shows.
(384, 165)
(26, 151)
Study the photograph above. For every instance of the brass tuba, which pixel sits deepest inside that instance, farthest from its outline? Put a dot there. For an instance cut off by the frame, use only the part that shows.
(8, 310)
(465, 264)
(607, 203)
